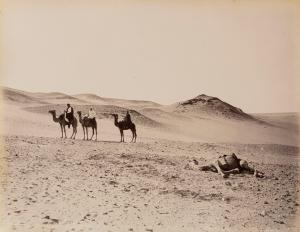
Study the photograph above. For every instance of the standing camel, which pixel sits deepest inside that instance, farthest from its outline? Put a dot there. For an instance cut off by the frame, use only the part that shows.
(125, 125)
(87, 122)
(62, 122)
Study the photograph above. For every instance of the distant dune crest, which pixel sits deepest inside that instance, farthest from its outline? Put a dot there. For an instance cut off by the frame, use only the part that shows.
(203, 118)
(200, 105)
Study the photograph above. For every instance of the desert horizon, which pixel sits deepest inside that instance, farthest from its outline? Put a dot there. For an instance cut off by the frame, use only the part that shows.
(155, 183)
(82, 95)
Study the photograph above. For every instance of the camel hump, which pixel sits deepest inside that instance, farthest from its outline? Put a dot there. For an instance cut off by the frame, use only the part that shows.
(62, 116)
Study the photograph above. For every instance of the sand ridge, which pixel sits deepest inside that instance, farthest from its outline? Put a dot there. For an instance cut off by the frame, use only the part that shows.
(53, 184)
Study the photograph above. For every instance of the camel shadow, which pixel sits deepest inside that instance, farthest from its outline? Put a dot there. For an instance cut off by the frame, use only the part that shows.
(108, 141)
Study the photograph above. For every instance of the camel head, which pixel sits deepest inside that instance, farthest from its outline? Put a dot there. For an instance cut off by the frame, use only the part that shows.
(52, 112)
(79, 113)
(114, 115)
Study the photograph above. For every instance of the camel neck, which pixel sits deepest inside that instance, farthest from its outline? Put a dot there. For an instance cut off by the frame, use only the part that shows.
(116, 121)
(80, 118)
(55, 119)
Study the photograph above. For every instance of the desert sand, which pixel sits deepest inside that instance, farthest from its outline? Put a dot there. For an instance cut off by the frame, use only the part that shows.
(54, 184)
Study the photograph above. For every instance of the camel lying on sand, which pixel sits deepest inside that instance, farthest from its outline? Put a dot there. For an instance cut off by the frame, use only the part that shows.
(230, 164)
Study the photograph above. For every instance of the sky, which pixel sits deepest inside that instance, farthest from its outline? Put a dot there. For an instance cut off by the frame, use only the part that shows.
(243, 52)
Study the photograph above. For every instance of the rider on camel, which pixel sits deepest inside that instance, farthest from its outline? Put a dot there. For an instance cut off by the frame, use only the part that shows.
(69, 112)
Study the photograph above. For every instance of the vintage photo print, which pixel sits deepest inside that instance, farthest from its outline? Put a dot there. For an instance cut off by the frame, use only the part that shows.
(149, 115)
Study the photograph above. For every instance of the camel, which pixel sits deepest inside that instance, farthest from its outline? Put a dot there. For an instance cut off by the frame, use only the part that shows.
(230, 164)
(62, 122)
(125, 125)
(87, 122)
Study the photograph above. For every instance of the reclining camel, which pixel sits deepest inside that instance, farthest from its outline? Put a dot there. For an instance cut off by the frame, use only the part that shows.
(230, 164)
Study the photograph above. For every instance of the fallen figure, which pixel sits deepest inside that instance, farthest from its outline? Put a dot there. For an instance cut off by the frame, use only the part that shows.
(230, 164)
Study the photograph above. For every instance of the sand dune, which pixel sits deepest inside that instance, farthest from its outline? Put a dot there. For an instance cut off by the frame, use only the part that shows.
(135, 104)
(203, 118)
(20, 97)
(59, 98)
(282, 120)
(72, 185)
(92, 98)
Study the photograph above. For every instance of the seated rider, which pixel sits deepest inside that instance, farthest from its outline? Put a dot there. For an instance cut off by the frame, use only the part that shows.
(69, 114)
(127, 117)
(92, 114)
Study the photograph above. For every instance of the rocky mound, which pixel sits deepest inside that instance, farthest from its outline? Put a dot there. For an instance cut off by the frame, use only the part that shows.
(211, 105)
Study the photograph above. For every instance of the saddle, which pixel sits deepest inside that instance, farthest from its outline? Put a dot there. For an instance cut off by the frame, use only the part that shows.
(227, 161)
(86, 118)
(69, 119)
(127, 120)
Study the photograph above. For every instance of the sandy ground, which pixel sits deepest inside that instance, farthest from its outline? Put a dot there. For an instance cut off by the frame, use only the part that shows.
(53, 184)
(68, 185)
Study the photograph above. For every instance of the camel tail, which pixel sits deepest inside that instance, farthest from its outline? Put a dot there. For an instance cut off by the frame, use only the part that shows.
(134, 129)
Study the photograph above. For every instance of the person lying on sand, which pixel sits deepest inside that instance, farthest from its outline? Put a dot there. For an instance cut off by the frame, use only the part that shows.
(230, 164)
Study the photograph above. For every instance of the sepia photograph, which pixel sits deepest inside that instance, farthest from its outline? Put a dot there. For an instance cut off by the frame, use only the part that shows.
(150, 115)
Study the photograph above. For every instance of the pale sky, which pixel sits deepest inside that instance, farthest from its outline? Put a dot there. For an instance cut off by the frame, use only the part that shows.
(164, 51)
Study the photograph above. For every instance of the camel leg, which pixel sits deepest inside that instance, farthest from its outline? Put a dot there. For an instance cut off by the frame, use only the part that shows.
(135, 136)
(121, 133)
(92, 134)
(211, 168)
(87, 133)
(72, 133)
(96, 134)
(132, 136)
(62, 133)
(75, 133)
(83, 132)
(65, 131)
(223, 173)
(245, 167)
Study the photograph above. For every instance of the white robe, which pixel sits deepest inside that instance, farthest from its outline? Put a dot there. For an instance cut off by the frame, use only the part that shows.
(92, 114)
